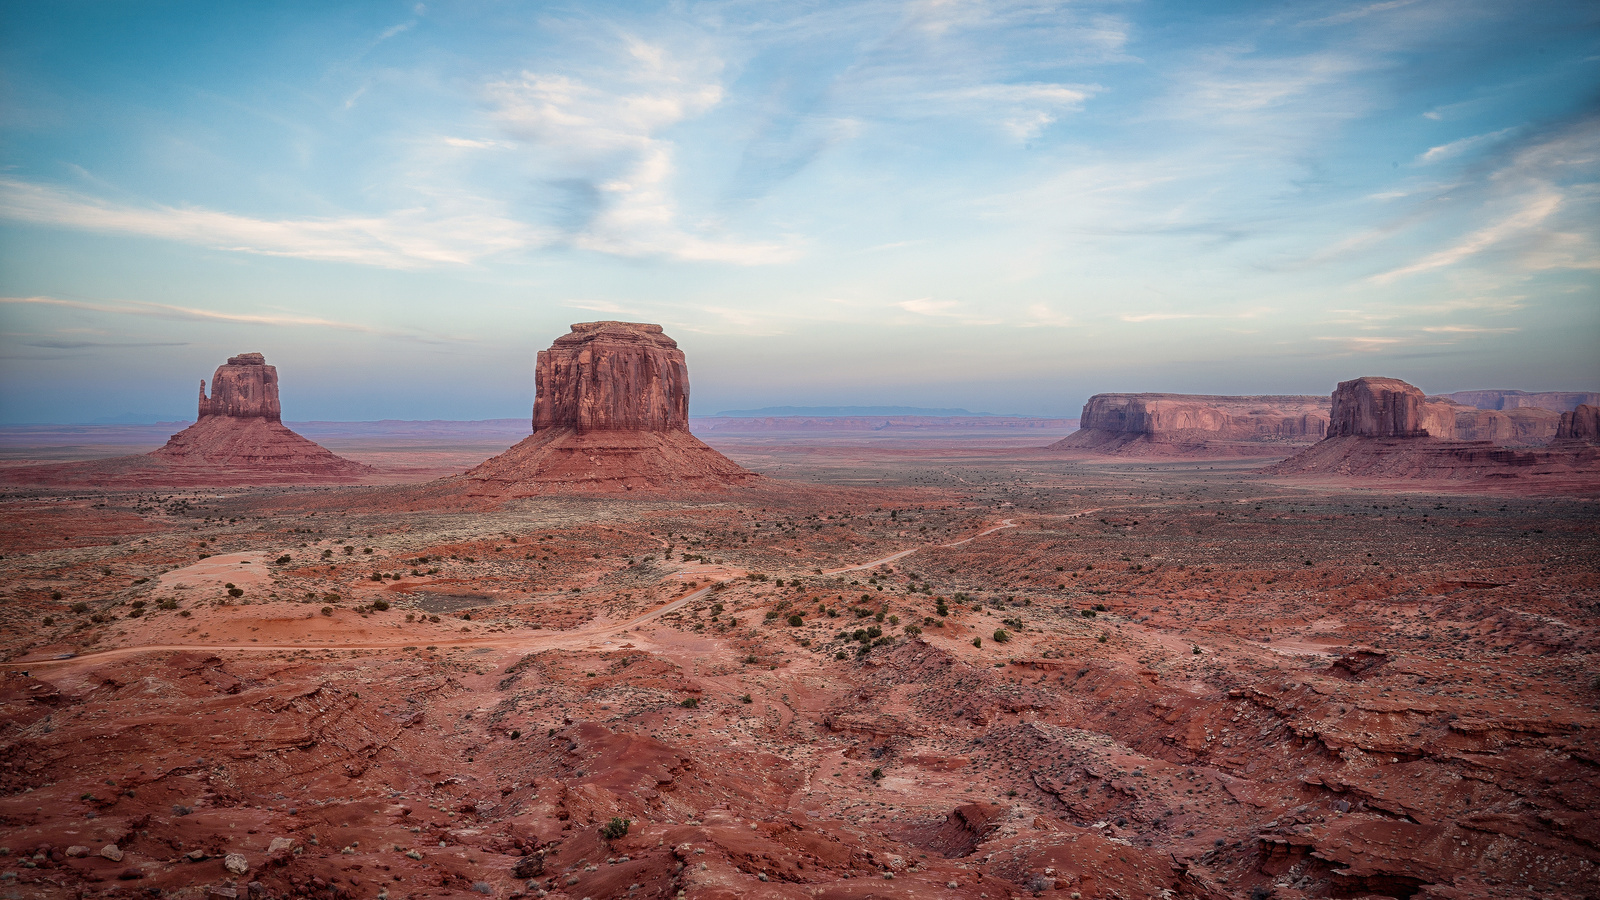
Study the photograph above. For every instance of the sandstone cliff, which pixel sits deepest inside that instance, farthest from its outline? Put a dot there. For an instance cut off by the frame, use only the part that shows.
(610, 415)
(1195, 424)
(1582, 424)
(243, 388)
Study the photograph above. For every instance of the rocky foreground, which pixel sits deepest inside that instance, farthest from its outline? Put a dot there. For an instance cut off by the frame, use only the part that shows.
(993, 677)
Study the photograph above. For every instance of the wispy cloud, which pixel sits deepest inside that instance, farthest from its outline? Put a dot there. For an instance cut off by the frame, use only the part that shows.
(405, 239)
(1456, 148)
(1534, 211)
(1162, 317)
(607, 130)
(168, 311)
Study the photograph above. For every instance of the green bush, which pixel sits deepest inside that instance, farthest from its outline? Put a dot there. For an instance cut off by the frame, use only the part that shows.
(796, 621)
(977, 642)
(1000, 636)
(380, 605)
(616, 829)
(690, 703)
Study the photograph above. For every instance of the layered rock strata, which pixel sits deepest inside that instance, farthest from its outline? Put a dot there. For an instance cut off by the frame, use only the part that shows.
(1185, 424)
(610, 414)
(1554, 401)
(238, 438)
(1384, 427)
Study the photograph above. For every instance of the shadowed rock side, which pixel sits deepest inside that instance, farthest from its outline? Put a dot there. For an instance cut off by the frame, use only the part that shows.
(1196, 425)
(610, 415)
(1386, 428)
(238, 439)
(1582, 424)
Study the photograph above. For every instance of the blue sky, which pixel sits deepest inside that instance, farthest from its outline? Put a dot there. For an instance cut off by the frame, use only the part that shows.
(1002, 206)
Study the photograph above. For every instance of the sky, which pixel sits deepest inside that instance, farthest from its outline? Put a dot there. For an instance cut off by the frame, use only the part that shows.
(998, 206)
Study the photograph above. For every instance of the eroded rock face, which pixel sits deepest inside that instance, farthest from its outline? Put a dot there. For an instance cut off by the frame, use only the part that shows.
(1133, 424)
(1582, 424)
(245, 387)
(610, 414)
(1555, 401)
(1386, 407)
(612, 376)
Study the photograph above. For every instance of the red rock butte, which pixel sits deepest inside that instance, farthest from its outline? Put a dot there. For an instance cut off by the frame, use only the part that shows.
(238, 438)
(610, 414)
(1386, 428)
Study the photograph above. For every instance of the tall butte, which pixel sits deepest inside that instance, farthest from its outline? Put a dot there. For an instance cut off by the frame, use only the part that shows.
(610, 414)
(238, 438)
(239, 429)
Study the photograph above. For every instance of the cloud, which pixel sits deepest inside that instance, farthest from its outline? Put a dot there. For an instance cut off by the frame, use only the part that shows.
(1456, 148)
(167, 311)
(607, 131)
(927, 306)
(1468, 329)
(1534, 211)
(404, 239)
(1162, 317)
(1360, 12)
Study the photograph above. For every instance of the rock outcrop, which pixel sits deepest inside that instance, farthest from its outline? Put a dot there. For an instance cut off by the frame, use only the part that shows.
(1582, 424)
(1386, 428)
(610, 414)
(1194, 424)
(238, 438)
(243, 388)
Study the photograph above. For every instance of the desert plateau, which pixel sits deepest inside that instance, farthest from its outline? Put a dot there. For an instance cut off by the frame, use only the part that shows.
(1136, 450)
(613, 661)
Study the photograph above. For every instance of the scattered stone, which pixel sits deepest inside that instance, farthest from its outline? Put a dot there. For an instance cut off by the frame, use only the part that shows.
(112, 852)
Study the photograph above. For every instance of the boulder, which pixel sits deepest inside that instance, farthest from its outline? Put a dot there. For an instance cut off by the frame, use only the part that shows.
(111, 852)
(235, 864)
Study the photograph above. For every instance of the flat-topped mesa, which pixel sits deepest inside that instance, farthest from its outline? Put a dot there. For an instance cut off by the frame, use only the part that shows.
(1388, 408)
(1582, 424)
(244, 387)
(1195, 424)
(612, 376)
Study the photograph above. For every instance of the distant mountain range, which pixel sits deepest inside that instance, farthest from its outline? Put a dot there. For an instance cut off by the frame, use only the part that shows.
(775, 411)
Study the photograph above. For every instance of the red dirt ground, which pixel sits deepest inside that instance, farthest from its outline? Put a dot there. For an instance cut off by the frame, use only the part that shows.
(1212, 684)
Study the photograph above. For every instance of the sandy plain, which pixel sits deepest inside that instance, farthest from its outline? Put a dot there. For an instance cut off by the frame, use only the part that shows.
(907, 670)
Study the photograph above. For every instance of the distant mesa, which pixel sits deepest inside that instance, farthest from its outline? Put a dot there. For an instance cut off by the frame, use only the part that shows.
(1555, 401)
(238, 438)
(1176, 425)
(610, 414)
(832, 412)
(1386, 428)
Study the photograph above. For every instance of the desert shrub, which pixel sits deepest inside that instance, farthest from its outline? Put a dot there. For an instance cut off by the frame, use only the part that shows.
(796, 621)
(690, 702)
(1000, 636)
(913, 630)
(877, 774)
(1102, 637)
(380, 605)
(746, 699)
(235, 592)
(977, 642)
(55, 595)
(50, 620)
(515, 734)
(284, 560)
(1088, 614)
(80, 607)
(616, 829)
(327, 610)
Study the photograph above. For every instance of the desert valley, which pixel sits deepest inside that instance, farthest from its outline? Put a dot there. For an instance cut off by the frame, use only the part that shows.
(1199, 647)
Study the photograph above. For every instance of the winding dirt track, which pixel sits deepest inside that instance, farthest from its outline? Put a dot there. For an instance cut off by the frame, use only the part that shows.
(533, 640)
